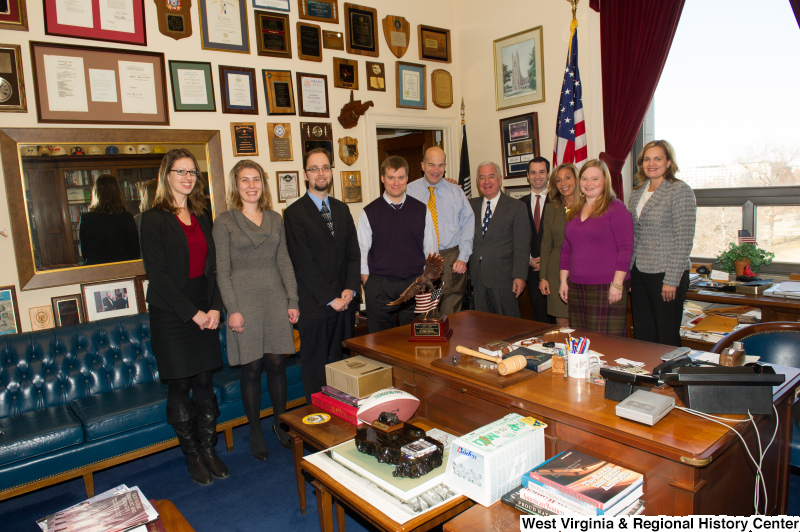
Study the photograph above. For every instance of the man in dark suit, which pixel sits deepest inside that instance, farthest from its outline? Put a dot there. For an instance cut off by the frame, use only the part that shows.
(500, 252)
(108, 302)
(323, 245)
(538, 175)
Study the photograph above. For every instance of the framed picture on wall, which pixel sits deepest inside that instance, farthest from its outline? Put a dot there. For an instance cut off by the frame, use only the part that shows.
(279, 91)
(519, 69)
(517, 191)
(434, 44)
(141, 291)
(192, 86)
(110, 299)
(238, 88)
(411, 92)
(273, 34)
(275, 5)
(345, 73)
(12, 86)
(13, 15)
(361, 30)
(224, 27)
(288, 185)
(312, 94)
(319, 10)
(68, 310)
(9, 311)
(98, 20)
(519, 136)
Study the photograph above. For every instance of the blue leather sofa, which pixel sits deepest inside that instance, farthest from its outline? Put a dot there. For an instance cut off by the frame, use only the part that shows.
(78, 399)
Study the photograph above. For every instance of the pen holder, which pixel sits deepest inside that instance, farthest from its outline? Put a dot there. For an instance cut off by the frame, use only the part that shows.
(578, 363)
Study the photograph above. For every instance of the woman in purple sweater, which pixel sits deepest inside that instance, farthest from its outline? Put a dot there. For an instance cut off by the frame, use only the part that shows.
(596, 256)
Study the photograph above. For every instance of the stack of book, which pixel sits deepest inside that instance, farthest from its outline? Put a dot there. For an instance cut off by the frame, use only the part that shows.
(115, 510)
(573, 483)
(338, 403)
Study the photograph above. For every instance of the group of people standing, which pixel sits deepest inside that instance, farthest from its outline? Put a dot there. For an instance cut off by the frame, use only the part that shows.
(579, 248)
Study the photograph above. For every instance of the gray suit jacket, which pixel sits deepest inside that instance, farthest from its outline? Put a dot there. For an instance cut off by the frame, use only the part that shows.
(502, 255)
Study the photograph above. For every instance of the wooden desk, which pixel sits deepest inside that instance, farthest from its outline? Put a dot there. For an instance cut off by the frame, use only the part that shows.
(319, 437)
(691, 466)
(331, 493)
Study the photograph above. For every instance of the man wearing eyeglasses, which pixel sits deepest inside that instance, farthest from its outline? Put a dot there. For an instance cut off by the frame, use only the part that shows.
(322, 242)
(395, 234)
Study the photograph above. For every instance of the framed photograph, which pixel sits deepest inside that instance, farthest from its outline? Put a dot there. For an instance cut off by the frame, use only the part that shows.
(275, 5)
(351, 187)
(224, 26)
(517, 191)
(519, 136)
(288, 185)
(519, 69)
(243, 136)
(279, 91)
(333, 40)
(12, 84)
(274, 34)
(280, 141)
(411, 92)
(309, 42)
(319, 10)
(442, 88)
(68, 310)
(13, 15)
(125, 87)
(312, 94)
(345, 73)
(110, 299)
(238, 87)
(41, 317)
(141, 292)
(98, 20)
(361, 28)
(9, 311)
(192, 86)
(376, 77)
(434, 44)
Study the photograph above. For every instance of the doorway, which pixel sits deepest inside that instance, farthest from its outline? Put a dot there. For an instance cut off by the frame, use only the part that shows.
(408, 144)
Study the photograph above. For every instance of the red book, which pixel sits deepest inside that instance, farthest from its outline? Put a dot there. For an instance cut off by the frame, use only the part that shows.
(336, 407)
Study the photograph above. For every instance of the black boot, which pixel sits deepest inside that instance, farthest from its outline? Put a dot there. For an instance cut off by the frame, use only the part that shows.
(207, 412)
(283, 437)
(182, 420)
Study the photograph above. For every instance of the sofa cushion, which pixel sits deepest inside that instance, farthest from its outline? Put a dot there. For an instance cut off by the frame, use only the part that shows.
(121, 410)
(39, 432)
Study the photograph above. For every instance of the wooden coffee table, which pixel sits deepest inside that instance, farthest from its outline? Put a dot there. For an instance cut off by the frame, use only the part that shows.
(172, 519)
(319, 437)
(498, 517)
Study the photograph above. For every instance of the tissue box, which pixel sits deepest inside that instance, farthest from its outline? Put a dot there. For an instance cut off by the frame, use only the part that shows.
(490, 461)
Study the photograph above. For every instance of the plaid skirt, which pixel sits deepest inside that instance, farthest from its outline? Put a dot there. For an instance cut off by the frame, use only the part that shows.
(589, 308)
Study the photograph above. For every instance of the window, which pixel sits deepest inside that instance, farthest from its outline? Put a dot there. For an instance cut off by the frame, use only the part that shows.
(726, 102)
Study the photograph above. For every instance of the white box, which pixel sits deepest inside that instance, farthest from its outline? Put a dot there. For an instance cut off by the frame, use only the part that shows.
(490, 461)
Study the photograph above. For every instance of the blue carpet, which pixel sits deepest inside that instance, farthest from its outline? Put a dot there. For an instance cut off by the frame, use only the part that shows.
(257, 495)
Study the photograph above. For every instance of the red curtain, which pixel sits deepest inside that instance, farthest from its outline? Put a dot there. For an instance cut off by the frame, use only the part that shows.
(635, 38)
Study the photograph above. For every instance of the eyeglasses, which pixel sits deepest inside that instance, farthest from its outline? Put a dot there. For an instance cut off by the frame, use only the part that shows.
(193, 173)
(318, 169)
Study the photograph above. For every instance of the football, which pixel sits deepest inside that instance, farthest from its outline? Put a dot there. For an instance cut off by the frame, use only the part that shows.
(398, 402)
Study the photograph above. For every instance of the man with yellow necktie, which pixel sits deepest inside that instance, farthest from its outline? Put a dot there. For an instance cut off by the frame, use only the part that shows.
(454, 222)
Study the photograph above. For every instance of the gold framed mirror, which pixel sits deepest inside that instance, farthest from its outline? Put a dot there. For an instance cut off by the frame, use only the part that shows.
(37, 188)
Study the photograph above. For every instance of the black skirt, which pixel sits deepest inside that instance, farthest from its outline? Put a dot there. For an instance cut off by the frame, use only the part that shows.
(181, 348)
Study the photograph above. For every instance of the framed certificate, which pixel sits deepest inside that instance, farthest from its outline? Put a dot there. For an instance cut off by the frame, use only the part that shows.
(13, 15)
(361, 28)
(238, 87)
(68, 310)
(98, 20)
(274, 5)
(192, 86)
(319, 10)
(273, 34)
(519, 138)
(411, 92)
(279, 91)
(345, 73)
(309, 42)
(12, 86)
(243, 137)
(288, 185)
(434, 44)
(224, 26)
(312, 94)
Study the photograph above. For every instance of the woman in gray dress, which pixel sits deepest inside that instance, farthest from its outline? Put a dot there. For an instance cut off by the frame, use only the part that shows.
(258, 287)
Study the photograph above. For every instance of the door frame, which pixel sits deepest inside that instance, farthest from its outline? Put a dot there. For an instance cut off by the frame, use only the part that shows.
(450, 129)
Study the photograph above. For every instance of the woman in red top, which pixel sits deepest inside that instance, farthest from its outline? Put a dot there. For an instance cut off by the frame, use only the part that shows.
(185, 305)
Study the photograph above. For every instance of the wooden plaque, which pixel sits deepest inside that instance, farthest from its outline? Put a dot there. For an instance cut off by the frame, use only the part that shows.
(174, 20)
(434, 44)
(361, 30)
(273, 34)
(317, 135)
(333, 40)
(397, 32)
(376, 77)
(243, 136)
(345, 73)
(319, 10)
(280, 141)
(41, 317)
(309, 42)
(351, 187)
(442, 88)
(348, 151)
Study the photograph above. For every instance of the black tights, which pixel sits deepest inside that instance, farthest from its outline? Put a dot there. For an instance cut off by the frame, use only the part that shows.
(200, 385)
(251, 387)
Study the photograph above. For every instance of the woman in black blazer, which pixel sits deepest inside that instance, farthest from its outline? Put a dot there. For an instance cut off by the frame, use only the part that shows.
(108, 232)
(185, 305)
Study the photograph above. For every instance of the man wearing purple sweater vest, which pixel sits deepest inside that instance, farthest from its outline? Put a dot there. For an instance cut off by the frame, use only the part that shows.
(596, 256)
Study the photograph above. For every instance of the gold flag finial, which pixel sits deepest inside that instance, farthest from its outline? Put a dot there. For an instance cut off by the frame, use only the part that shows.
(462, 108)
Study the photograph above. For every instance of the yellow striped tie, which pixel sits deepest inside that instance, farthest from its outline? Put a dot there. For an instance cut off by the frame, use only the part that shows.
(432, 208)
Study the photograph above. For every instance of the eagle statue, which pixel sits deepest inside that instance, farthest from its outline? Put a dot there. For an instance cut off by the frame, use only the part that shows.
(423, 283)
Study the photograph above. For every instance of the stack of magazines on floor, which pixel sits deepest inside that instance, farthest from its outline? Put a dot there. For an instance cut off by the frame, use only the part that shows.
(115, 510)
(338, 403)
(573, 483)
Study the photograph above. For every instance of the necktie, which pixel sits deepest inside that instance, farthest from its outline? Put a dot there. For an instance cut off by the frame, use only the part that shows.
(326, 214)
(537, 218)
(487, 217)
(397, 206)
(432, 208)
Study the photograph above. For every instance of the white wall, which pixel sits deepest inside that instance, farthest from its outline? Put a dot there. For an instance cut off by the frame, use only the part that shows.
(474, 25)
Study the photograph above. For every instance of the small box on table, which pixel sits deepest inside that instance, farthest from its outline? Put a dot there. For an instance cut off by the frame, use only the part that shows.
(490, 461)
(358, 376)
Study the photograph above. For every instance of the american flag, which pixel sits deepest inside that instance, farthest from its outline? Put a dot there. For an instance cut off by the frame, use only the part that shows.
(427, 302)
(745, 237)
(464, 180)
(570, 146)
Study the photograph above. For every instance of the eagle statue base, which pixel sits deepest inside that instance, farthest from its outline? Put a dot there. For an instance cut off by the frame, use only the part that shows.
(430, 329)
